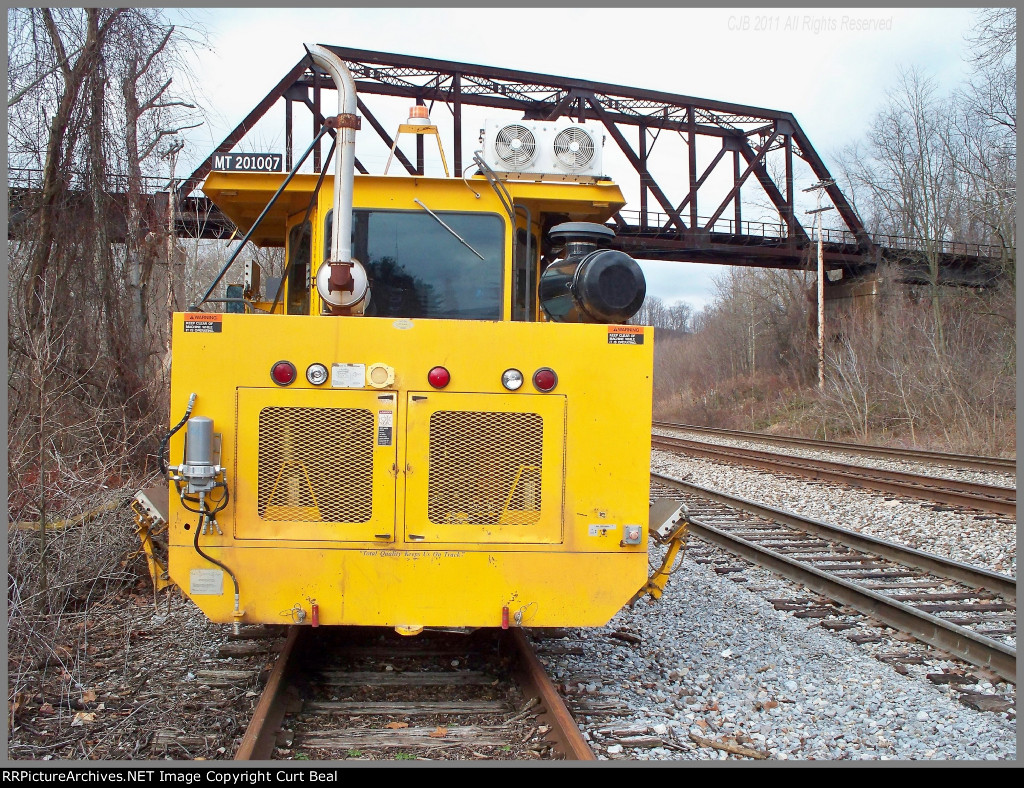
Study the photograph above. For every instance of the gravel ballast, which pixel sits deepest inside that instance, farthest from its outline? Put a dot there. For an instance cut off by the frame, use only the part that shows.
(717, 664)
(980, 539)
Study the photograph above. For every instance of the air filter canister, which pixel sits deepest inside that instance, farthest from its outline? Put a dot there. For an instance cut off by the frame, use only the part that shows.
(590, 285)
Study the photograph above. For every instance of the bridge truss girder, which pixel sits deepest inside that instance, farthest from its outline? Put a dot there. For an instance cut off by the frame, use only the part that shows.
(747, 135)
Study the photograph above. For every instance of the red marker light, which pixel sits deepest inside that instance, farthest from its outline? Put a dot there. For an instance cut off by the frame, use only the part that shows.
(545, 379)
(439, 377)
(283, 373)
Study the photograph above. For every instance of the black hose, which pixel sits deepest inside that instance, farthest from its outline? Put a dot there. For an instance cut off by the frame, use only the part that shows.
(259, 219)
(167, 438)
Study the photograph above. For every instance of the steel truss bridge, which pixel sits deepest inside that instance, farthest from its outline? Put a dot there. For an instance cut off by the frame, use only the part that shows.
(754, 148)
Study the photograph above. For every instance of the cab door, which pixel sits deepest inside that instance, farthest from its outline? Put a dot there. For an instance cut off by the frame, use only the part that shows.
(484, 468)
(315, 465)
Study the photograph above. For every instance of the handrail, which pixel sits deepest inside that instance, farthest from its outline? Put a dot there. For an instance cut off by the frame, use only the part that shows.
(32, 178)
(29, 178)
(656, 221)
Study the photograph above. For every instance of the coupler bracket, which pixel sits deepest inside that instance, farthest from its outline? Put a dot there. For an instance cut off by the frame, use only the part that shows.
(150, 508)
(667, 525)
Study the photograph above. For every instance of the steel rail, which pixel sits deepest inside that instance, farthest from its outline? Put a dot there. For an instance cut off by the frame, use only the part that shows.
(1001, 500)
(533, 679)
(968, 461)
(970, 646)
(260, 736)
(974, 576)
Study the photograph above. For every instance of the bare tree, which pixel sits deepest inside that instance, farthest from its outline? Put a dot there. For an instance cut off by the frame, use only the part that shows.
(145, 81)
(994, 39)
(678, 316)
(983, 137)
(909, 177)
(91, 94)
(62, 137)
(886, 377)
(651, 313)
(104, 77)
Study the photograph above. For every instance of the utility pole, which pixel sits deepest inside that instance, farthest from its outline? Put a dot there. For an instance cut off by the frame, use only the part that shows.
(820, 187)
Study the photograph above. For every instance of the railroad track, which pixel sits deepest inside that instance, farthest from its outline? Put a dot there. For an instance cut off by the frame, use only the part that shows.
(971, 495)
(966, 611)
(959, 461)
(368, 693)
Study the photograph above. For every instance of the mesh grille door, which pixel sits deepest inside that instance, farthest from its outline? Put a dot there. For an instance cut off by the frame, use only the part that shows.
(485, 468)
(313, 465)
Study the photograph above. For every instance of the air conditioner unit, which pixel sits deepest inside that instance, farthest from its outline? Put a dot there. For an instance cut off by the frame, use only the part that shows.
(539, 150)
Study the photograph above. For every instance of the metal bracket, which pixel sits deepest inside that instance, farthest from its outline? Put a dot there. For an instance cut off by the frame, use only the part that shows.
(149, 507)
(344, 121)
(669, 521)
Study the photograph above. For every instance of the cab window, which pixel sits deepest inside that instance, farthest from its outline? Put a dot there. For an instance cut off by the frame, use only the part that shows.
(423, 266)
(299, 252)
(524, 277)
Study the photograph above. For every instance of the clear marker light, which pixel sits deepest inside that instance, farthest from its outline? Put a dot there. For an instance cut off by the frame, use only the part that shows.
(512, 379)
(316, 374)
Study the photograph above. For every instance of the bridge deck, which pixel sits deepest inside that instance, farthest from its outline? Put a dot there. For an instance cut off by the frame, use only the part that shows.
(757, 244)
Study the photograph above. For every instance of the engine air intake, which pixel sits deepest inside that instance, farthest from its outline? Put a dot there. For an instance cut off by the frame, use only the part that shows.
(590, 284)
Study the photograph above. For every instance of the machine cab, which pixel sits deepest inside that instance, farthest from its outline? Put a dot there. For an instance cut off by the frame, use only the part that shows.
(428, 247)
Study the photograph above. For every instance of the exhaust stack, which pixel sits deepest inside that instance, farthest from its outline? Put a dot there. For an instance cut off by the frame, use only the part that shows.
(339, 277)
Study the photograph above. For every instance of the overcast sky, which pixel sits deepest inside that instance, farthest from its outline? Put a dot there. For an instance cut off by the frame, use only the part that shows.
(831, 68)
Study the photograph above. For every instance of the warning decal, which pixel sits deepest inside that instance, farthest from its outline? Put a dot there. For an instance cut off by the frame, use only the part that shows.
(625, 335)
(202, 323)
(385, 419)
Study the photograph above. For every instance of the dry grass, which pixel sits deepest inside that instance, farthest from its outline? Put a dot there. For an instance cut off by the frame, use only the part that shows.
(891, 378)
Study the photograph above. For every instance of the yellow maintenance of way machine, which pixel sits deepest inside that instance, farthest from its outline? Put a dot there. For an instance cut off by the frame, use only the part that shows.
(428, 423)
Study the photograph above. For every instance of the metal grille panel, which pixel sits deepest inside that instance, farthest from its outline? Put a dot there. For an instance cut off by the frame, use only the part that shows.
(315, 465)
(485, 468)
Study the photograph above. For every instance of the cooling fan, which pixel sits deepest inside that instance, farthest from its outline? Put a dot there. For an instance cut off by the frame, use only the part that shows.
(515, 146)
(574, 148)
(541, 150)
